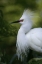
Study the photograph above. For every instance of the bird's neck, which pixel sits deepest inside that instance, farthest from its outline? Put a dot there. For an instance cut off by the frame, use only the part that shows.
(25, 28)
(22, 44)
(20, 33)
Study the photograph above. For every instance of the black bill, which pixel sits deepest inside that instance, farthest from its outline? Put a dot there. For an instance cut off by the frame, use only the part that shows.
(15, 22)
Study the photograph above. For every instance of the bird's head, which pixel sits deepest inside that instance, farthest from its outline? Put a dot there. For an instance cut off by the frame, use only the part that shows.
(25, 18)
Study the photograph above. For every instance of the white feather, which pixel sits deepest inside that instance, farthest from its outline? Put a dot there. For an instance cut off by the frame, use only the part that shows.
(27, 37)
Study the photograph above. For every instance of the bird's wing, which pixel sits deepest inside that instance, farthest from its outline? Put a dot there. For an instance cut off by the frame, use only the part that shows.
(35, 39)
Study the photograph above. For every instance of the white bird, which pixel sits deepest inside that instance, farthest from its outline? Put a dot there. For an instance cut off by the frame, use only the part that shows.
(28, 38)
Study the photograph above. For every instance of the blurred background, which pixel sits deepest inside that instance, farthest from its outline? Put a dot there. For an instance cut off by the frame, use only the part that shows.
(11, 10)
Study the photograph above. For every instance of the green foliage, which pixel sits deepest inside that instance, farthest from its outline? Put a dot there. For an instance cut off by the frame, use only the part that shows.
(35, 61)
(6, 29)
(27, 3)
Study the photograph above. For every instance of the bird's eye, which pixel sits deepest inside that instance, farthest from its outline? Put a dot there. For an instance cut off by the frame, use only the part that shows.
(21, 20)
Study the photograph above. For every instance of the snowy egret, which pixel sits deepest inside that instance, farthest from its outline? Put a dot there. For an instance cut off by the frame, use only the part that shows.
(28, 38)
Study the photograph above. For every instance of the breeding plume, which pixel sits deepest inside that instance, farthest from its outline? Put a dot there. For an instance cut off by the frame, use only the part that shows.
(28, 38)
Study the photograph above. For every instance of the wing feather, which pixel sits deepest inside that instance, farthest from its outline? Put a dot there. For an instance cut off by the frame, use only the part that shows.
(35, 39)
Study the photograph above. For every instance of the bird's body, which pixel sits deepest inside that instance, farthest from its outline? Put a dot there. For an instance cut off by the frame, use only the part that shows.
(34, 38)
(31, 40)
(28, 38)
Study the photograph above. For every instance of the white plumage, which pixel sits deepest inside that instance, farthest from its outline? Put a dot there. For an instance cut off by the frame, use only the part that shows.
(28, 38)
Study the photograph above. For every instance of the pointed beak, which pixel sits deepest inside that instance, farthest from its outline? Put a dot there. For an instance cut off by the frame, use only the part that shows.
(17, 21)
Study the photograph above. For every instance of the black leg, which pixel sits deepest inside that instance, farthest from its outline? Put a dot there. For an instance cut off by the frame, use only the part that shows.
(26, 59)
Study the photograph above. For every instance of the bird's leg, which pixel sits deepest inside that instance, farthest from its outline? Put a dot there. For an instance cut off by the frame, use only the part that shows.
(25, 60)
(14, 56)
